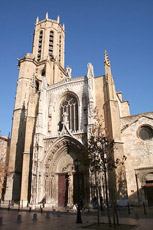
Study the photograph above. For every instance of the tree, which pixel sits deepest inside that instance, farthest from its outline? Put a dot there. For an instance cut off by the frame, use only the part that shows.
(3, 174)
(100, 158)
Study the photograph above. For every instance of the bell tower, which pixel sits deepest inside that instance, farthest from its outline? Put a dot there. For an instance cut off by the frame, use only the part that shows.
(45, 61)
(49, 49)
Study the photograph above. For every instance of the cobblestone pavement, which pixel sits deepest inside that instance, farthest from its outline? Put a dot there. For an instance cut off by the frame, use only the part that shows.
(63, 220)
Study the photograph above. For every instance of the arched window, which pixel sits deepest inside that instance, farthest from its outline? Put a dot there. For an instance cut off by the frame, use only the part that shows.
(51, 41)
(70, 106)
(40, 45)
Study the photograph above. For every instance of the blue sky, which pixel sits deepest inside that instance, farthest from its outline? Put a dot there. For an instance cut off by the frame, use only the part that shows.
(122, 27)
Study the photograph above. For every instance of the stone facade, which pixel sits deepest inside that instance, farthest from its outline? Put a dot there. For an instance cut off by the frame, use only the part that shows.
(52, 121)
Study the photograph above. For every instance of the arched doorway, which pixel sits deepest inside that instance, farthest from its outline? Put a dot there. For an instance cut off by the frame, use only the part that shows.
(149, 188)
(61, 178)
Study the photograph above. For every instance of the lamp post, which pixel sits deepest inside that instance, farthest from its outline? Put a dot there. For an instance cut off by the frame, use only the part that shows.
(79, 219)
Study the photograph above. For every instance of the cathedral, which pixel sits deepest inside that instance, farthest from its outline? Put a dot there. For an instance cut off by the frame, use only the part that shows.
(52, 120)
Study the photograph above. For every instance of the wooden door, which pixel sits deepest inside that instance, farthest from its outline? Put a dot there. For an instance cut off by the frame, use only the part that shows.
(62, 190)
(149, 192)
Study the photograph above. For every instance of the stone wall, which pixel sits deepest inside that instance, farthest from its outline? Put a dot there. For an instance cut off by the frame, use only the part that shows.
(138, 152)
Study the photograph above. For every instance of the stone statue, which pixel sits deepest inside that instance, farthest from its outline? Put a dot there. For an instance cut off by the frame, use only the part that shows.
(69, 75)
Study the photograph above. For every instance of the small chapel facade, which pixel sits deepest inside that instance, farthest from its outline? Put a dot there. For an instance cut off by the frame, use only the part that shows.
(52, 120)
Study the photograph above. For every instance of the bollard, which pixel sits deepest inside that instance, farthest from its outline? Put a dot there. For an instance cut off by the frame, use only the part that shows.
(29, 209)
(144, 207)
(19, 218)
(35, 217)
(41, 209)
(129, 208)
(136, 216)
(58, 214)
(47, 215)
(54, 211)
(1, 221)
(67, 212)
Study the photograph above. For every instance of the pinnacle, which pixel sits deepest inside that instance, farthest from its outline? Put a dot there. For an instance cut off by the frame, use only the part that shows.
(106, 60)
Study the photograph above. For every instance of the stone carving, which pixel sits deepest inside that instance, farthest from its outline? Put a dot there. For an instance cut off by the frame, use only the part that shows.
(68, 71)
(65, 130)
(69, 169)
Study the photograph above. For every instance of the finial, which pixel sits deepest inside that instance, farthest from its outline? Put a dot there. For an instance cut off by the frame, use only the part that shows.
(90, 72)
(37, 20)
(106, 60)
(63, 26)
(58, 19)
(47, 15)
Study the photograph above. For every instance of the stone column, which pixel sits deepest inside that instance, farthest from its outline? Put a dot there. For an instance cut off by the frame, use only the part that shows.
(28, 150)
(25, 180)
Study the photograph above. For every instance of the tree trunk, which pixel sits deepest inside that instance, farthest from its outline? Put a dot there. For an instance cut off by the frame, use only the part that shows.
(108, 213)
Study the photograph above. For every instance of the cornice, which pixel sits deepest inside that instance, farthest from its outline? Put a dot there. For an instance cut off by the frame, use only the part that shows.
(64, 83)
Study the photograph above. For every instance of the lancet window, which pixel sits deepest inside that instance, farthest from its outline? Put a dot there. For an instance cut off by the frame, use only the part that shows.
(40, 45)
(51, 41)
(60, 47)
(69, 105)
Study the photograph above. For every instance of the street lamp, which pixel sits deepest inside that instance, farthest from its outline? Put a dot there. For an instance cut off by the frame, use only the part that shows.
(79, 219)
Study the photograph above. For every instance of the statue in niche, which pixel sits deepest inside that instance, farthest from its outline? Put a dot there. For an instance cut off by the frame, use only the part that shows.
(65, 119)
